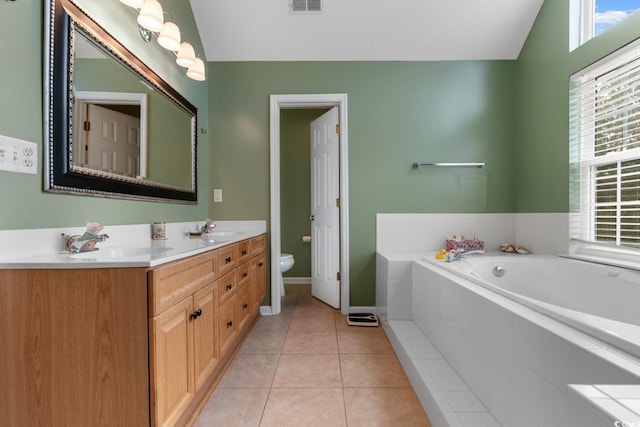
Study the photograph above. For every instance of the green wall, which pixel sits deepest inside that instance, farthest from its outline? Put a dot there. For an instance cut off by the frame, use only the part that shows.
(399, 113)
(295, 186)
(24, 203)
(542, 136)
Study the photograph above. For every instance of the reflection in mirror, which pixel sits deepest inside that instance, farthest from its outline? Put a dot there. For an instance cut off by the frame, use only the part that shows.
(120, 131)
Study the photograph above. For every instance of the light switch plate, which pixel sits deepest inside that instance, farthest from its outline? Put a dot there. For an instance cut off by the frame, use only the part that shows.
(217, 195)
(17, 155)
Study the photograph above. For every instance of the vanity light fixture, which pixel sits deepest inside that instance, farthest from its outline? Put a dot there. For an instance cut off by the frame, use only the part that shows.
(134, 3)
(151, 21)
(196, 72)
(169, 37)
(186, 55)
(151, 16)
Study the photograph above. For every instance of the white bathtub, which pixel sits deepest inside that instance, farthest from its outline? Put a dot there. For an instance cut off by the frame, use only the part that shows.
(511, 345)
(599, 300)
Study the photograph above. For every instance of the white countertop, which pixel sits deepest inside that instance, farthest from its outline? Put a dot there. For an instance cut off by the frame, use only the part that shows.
(128, 246)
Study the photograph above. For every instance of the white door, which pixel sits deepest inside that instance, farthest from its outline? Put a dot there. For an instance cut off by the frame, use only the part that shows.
(325, 193)
(112, 141)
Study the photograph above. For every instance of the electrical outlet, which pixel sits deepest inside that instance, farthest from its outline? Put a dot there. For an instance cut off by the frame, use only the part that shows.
(17, 155)
(217, 195)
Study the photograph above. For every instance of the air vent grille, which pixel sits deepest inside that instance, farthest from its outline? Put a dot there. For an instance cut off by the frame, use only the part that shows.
(306, 6)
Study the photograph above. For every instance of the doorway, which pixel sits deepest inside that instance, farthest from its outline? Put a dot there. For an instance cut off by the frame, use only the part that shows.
(278, 102)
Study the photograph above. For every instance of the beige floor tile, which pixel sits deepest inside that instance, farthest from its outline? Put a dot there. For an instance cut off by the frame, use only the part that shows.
(269, 342)
(372, 407)
(272, 323)
(250, 371)
(364, 342)
(304, 408)
(308, 371)
(310, 342)
(241, 407)
(312, 321)
(372, 370)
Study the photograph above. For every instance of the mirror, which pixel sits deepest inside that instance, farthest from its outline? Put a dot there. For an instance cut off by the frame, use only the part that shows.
(114, 128)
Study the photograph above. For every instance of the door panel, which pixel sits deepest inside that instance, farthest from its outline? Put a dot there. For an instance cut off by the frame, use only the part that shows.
(325, 193)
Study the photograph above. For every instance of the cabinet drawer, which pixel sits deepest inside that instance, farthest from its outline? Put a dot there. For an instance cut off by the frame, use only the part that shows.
(244, 307)
(244, 251)
(244, 275)
(227, 258)
(173, 282)
(258, 244)
(227, 286)
(226, 326)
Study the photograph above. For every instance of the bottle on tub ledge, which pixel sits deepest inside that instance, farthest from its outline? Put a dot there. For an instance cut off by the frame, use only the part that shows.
(462, 245)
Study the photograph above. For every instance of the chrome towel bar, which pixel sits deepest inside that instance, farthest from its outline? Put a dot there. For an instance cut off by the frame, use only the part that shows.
(416, 165)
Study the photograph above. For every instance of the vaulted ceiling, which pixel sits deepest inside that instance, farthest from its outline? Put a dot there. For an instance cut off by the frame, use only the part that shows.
(364, 30)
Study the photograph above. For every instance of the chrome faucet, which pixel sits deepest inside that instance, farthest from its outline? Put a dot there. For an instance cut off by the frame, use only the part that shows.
(87, 241)
(458, 255)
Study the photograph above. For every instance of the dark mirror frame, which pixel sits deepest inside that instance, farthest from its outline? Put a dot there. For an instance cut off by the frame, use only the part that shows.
(60, 175)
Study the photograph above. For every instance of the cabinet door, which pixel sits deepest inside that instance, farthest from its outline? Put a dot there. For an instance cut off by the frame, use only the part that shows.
(205, 332)
(172, 363)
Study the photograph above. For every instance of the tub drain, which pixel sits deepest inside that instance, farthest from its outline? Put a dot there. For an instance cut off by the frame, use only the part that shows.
(499, 271)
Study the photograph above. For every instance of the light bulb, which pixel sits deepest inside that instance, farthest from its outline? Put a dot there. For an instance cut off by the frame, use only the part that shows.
(196, 72)
(186, 55)
(169, 37)
(150, 16)
(137, 4)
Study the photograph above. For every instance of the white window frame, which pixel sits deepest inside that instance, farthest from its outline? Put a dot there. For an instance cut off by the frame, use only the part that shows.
(583, 163)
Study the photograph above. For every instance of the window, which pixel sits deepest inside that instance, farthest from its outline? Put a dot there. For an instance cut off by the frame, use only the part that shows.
(599, 15)
(605, 150)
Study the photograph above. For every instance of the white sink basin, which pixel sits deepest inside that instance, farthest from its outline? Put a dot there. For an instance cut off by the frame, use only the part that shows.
(221, 236)
(120, 253)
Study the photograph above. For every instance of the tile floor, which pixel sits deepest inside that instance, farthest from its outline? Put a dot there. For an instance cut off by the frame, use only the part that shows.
(307, 367)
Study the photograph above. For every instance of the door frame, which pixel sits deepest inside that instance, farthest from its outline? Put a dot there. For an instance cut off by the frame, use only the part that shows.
(299, 101)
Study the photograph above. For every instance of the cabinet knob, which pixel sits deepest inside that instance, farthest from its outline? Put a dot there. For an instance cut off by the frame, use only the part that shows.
(244, 306)
(245, 274)
(229, 286)
(260, 264)
(227, 260)
(229, 323)
(196, 314)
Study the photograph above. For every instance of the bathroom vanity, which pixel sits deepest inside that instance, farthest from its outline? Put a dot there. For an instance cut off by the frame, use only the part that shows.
(131, 345)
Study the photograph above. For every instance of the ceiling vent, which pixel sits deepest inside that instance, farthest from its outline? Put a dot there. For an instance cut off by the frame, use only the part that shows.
(305, 6)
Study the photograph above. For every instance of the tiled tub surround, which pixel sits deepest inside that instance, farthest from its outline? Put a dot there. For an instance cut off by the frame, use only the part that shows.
(44, 248)
(476, 358)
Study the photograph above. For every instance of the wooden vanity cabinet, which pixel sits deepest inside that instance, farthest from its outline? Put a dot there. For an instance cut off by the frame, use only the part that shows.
(183, 344)
(123, 346)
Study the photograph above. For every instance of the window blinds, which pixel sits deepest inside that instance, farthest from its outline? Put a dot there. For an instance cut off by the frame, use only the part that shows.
(605, 150)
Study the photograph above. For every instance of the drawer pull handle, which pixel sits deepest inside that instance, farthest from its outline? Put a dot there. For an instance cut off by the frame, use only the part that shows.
(245, 274)
(229, 286)
(227, 260)
(244, 306)
(229, 323)
(244, 253)
(196, 314)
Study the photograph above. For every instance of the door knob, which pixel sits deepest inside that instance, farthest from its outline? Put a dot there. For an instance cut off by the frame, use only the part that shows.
(312, 217)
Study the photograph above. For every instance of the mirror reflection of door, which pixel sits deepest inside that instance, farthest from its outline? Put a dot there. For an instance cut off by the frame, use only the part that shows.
(111, 140)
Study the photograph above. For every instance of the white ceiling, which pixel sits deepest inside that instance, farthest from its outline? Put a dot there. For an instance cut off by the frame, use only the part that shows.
(364, 30)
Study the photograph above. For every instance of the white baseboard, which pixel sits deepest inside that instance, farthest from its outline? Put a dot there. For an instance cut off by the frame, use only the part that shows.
(297, 280)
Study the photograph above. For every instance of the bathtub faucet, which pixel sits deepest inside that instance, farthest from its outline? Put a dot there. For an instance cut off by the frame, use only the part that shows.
(458, 254)
(454, 255)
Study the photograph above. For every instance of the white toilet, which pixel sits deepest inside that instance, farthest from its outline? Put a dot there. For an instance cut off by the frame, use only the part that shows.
(286, 262)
